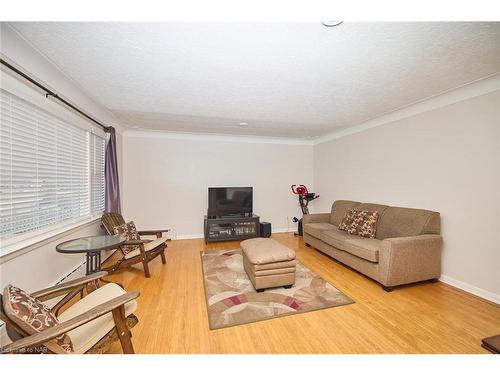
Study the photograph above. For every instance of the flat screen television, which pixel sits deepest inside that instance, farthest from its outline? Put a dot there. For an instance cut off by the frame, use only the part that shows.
(230, 201)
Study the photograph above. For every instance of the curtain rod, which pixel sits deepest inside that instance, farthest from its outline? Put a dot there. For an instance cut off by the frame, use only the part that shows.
(49, 92)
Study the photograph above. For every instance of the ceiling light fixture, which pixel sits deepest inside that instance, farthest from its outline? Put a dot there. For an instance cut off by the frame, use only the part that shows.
(243, 124)
(332, 23)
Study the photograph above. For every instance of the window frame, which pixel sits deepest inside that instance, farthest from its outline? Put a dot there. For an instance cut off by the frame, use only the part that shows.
(36, 97)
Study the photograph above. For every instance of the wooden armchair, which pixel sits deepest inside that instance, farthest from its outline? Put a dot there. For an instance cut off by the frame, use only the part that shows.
(146, 250)
(92, 323)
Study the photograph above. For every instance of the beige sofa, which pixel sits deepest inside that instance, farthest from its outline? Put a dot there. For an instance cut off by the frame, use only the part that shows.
(407, 247)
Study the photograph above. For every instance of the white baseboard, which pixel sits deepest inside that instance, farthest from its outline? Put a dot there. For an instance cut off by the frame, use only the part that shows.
(189, 236)
(471, 289)
(200, 235)
(284, 230)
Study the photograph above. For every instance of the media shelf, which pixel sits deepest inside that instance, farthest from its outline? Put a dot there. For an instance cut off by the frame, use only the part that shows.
(231, 228)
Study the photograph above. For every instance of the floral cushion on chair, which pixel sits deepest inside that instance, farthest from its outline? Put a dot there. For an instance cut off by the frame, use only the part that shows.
(33, 316)
(360, 222)
(129, 231)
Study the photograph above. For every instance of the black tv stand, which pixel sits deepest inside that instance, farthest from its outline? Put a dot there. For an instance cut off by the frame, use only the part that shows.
(231, 228)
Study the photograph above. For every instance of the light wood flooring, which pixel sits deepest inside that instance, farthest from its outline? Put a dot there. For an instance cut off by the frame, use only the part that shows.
(421, 318)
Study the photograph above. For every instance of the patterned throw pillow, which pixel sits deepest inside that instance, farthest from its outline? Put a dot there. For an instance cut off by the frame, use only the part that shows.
(367, 223)
(33, 316)
(129, 231)
(349, 222)
(360, 222)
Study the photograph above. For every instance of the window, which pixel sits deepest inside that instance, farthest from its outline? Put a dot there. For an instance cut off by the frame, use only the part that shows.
(51, 172)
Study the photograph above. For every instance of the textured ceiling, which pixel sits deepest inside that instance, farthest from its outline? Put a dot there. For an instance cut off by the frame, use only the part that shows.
(283, 79)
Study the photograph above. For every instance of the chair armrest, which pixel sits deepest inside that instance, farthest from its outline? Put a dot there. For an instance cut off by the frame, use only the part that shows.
(77, 321)
(156, 233)
(135, 242)
(64, 288)
(316, 218)
(152, 232)
(405, 260)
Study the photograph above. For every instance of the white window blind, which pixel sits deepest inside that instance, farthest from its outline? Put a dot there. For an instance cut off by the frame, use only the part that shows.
(51, 172)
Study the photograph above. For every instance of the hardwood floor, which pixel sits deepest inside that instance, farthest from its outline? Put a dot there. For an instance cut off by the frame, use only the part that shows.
(422, 318)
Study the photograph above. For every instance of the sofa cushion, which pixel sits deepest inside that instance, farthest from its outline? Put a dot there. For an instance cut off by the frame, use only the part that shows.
(315, 229)
(366, 248)
(380, 208)
(339, 209)
(407, 222)
(335, 237)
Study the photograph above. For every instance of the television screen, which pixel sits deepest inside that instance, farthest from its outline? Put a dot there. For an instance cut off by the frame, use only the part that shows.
(229, 201)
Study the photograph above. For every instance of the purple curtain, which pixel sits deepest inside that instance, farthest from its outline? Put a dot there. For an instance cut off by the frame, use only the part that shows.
(112, 186)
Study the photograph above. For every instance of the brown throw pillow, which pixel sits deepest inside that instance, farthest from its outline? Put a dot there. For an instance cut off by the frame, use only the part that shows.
(360, 222)
(349, 222)
(367, 223)
(129, 231)
(33, 316)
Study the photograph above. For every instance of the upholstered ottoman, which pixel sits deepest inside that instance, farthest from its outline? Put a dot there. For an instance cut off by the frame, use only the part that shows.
(268, 263)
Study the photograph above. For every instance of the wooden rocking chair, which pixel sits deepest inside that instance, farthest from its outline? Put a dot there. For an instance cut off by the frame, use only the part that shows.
(92, 323)
(146, 250)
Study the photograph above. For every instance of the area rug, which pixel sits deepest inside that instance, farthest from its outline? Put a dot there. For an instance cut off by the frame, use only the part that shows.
(232, 299)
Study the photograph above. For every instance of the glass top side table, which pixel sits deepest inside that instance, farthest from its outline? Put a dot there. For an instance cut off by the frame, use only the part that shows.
(92, 246)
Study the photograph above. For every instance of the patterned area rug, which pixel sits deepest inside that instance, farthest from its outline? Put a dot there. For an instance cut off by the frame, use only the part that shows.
(232, 299)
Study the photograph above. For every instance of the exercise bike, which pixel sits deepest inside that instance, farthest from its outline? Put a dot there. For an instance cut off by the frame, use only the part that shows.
(304, 198)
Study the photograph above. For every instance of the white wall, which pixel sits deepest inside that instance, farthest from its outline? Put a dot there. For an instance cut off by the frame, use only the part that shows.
(40, 265)
(18, 51)
(166, 179)
(447, 160)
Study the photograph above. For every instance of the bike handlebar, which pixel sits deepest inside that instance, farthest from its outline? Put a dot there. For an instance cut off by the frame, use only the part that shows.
(301, 190)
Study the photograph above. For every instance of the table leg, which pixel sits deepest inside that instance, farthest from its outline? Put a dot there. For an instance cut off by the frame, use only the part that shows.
(93, 265)
(93, 262)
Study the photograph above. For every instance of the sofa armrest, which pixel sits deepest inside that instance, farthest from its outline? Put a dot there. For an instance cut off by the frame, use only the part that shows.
(316, 218)
(404, 260)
